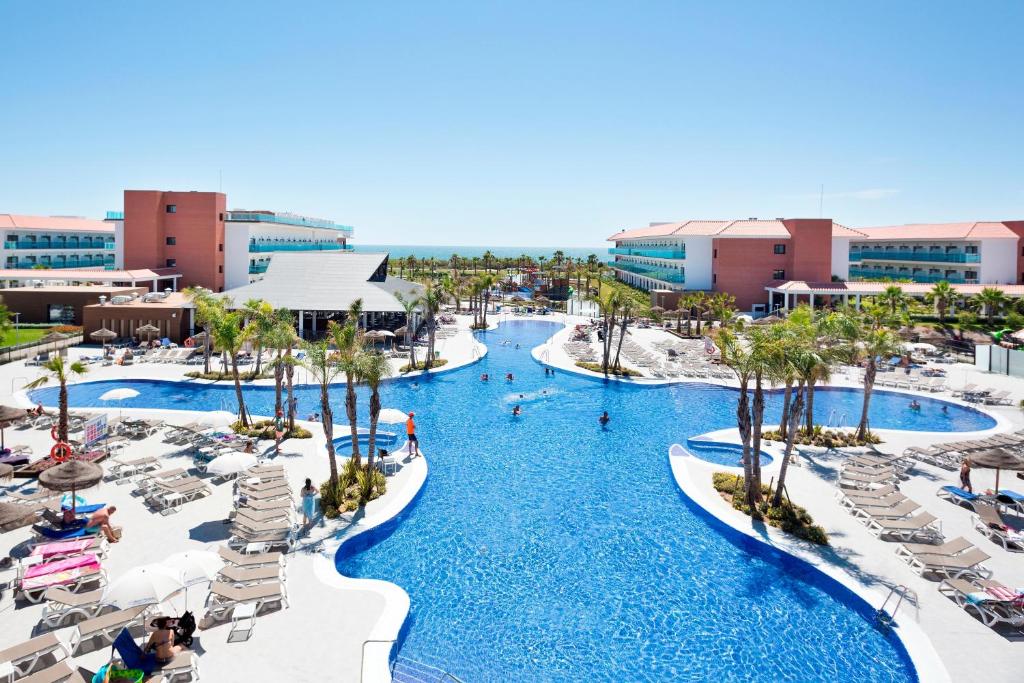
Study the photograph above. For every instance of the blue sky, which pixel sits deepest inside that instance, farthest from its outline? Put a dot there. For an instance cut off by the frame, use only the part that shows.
(518, 123)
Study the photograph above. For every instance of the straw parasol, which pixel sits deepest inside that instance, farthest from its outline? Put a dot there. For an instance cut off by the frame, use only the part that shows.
(148, 330)
(199, 338)
(103, 335)
(997, 459)
(11, 514)
(71, 476)
(53, 338)
(6, 472)
(9, 414)
(768, 320)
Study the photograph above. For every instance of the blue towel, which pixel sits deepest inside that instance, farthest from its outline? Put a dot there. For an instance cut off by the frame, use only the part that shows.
(961, 493)
(977, 597)
(63, 534)
(132, 655)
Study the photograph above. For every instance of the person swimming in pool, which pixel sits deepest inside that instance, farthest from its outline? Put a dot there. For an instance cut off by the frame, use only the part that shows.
(914, 405)
(945, 409)
(484, 377)
(604, 419)
(517, 411)
(509, 377)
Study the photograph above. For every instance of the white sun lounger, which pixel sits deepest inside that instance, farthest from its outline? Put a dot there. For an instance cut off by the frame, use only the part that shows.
(989, 609)
(106, 627)
(952, 566)
(924, 526)
(24, 656)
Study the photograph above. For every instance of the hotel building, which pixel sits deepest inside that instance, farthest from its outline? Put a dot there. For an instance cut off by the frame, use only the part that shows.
(56, 242)
(210, 246)
(754, 259)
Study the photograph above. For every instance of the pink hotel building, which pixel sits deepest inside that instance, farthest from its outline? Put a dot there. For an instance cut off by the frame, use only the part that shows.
(769, 264)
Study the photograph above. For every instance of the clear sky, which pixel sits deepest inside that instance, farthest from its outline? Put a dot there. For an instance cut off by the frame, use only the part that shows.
(547, 123)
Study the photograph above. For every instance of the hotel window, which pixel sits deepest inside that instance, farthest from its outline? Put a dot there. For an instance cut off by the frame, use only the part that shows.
(971, 250)
(778, 274)
(220, 247)
(171, 241)
(172, 208)
(172, 263)
(220, 269)
(780, 249)
(971, 275)
(714, 278)
(714, 253)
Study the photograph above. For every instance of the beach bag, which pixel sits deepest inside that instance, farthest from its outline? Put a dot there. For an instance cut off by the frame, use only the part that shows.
(184, 630)
(109, 673)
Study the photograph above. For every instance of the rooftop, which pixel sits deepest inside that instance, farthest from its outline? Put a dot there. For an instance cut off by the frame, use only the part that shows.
(940, 231)
(751, 227)
(872, 288)
(283, 218)
(88, 275)
(12, 221)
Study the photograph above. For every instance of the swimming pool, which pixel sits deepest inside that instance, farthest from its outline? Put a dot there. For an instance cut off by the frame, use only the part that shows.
(547, 548)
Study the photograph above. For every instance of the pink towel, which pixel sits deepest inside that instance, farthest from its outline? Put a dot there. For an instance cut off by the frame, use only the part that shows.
(61, 548)
(1003, 593)
(59, 579)
(77, 562)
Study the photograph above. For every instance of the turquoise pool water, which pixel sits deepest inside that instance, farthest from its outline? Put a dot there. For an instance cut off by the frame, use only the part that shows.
(547, 548)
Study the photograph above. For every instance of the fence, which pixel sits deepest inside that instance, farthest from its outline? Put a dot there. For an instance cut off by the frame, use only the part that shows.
(29, 349)
(999, 360)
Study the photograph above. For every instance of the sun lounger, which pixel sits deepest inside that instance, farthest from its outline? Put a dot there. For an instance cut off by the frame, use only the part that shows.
(1001, 397)
(264, 470)
(967, 389)
(278, 503)
(848, 496)
(252, 526)
(924, 526)
(262, 486)
(275, 493)
(967, 563)
(73, 573)
(106, 627)
(238, 559)
(224, 597)
(133, 657)
(39, 494)
(993, 602)
(1011, 500)
(955, 494)
(123, 470)
(24, 657)
(62, 604)
(45, 533)
(61, 672)
(149, 480)
(859, 480)
(94, 545)
(265, 540)
(167, 496)
(989, 522)
(253, 515)
(953, 547)
(242, 576)
(886, 510)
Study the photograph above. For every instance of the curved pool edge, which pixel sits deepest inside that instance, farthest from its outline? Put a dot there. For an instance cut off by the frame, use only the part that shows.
(377, 655)
(926, 661)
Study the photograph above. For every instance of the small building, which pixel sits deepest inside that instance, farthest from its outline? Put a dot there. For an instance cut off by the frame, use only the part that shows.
(168, 311)
(61, 304)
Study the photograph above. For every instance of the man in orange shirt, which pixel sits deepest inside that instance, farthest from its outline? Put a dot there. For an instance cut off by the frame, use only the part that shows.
(410, 431)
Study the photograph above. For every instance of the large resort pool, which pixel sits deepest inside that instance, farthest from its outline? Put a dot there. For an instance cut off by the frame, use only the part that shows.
(547, 548)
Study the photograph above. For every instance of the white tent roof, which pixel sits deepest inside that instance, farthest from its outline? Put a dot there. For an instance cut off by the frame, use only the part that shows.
(319, 281)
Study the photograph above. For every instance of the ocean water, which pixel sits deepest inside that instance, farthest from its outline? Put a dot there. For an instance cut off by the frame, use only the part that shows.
(545, 547)
(445, 252)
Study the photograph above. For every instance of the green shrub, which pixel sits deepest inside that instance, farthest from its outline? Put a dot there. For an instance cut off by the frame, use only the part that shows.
(828, 438)
(1014, 320)
(967, 318)
(264, 429)
(596, 367)
(792, 519)
(438, 362)
(218, 376)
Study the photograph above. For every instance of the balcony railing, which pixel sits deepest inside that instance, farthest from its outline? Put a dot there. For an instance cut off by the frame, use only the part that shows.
(650, 252)
(115, 215)
(879, 274)
(922, 256)
(67, 263)
(286, 219)
(58, 244)
(264, 247)
(258, 268)
(663, 274)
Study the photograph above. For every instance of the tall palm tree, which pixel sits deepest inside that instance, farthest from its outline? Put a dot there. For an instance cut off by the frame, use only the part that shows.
(259, 315)
(608, 305)
(60, 369)
(488, 258)
(208, 310)
(410, 306)
(992, 300)
(280, 336)
(894, 299)
(373, 367)
(486, 283)
(737, 357)
(349, 343)
(943, 295)
(625, 311)
(722, 307)
(870, 345)
(321, 361)
(229, 336)
(430, 303)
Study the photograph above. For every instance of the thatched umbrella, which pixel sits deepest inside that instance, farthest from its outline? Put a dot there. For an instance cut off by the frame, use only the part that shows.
(12, 515)
(768, 320)
(199, 339)
(103, 335)
(53, 338)
(148, 330)
(9, 414)
(6, 472)
(997, 459)
(71, 476)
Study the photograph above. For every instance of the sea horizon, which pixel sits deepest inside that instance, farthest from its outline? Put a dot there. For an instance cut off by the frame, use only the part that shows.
(469, 251)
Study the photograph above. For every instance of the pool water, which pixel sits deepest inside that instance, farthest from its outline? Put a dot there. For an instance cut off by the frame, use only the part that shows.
(545, 547)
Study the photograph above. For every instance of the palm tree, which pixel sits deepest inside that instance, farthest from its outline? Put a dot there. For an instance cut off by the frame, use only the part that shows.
(872, 344)
(943, 295)
(349, 343)
(208, 310)
(280, 336)
(430, 303)
(722, 307)
(625, 311)
(894, 299)
(410, 306)
(608, 305)
(373, 367)
(488, 258)
(486, 283)
(738, 358)
(992, 300)
(60, 369)
(260, 321)
(321, 361)
(229, 336)
(699, 304)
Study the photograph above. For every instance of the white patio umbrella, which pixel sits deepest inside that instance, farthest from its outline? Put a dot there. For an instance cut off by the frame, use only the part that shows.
(231, 463)
(392, 416)
(119, 394)
(145, 585)
(195, 566)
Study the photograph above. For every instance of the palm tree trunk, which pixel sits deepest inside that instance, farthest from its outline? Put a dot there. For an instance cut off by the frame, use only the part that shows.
(791, 430)
(810, 408)
(259, 360)
(289, 372)
(869, 385)
(743, 424)
(278, 382)
(374, 414)
(62, 412)
(622, 337)
(242, 413)
(787, 396)
(350, 412)
(757, 413)
(207, 349)
(328, 425)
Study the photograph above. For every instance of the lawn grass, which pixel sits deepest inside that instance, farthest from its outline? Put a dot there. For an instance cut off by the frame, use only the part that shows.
(24, 335)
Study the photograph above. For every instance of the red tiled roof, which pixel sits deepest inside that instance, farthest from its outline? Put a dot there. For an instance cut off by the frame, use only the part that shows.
(940, 231)
(870, 288)
(774, 228)
(11, 221)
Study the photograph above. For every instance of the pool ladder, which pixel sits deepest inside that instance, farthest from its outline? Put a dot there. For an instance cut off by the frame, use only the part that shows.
(899, 592)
